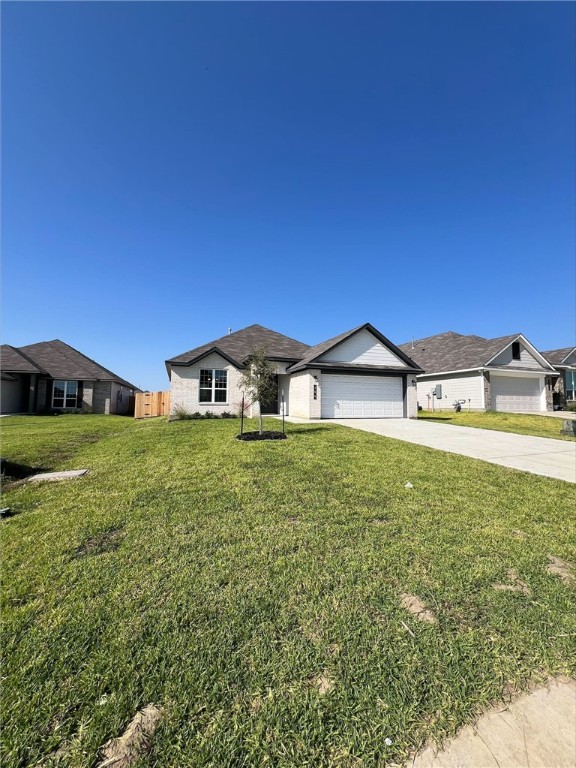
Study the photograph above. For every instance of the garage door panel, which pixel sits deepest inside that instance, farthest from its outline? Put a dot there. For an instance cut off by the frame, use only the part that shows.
(516, 394)
(361, 397)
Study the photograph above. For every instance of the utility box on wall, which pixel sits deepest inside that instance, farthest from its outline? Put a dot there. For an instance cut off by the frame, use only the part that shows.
(438, 391)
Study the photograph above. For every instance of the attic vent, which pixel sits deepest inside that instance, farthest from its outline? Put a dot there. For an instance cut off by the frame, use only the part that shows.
(515, 350)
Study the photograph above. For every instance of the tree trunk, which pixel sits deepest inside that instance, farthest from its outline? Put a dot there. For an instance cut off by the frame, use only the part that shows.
(260, 416)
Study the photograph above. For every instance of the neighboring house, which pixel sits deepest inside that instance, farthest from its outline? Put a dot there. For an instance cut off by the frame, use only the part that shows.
(503, 374)
(564, 362)
(357, 374)
(53, 376)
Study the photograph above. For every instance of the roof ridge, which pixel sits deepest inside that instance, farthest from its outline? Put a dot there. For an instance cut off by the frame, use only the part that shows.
(437, 335)
(236, 343)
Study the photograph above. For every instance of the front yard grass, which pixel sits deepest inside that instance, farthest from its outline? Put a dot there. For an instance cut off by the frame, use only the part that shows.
(253, 591)
(520, 423)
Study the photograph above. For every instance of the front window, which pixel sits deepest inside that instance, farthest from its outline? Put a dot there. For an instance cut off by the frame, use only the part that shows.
(65, 394)
(213, 385)
(570, 385)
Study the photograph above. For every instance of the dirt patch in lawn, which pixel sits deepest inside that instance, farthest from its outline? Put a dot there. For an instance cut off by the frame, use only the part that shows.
(134, 742)
(515, 584)
(324, 683)
(561, 568)
(107, 541)
(417, 608)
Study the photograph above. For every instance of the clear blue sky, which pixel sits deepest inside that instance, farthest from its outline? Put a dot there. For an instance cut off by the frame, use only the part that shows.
(174, 169)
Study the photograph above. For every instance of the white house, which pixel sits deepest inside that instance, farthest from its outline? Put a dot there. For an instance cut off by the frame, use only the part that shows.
(503, 374)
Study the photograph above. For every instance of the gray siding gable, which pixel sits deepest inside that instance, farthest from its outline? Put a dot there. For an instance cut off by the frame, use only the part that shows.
(527, 360)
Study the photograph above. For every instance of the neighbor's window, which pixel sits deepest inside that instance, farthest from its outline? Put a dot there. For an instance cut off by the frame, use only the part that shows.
(515, 350)
(570, 382)
(65, 394)
(213, 386)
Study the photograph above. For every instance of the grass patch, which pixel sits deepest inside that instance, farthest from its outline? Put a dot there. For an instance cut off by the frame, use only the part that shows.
(520, 423)
(256, 593)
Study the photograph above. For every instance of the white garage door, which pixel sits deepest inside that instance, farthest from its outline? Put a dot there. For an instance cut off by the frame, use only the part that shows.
(511, 393)
(362, 397)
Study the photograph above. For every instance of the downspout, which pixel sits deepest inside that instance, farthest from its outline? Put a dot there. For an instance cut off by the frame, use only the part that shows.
(482, 389)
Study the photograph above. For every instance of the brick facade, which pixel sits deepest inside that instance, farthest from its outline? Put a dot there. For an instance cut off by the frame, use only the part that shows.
(102, 396)
(185, 387)
(549, 390)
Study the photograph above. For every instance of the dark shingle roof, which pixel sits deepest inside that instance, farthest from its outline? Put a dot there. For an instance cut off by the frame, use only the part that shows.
(557, 356)
(61, 361)
(317, 351)
(13, 361)
(454, 352)
(238, 346)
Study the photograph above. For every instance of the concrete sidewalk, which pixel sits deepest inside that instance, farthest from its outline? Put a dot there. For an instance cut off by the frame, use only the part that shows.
(538, 730)
(539, 455)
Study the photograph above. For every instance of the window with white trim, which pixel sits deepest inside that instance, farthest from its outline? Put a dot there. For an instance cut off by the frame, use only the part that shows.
(213, 385)
(64, 394)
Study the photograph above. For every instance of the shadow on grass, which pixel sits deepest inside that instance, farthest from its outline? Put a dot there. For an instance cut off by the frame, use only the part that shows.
(435, 418)
(12, 471)
(307, 430)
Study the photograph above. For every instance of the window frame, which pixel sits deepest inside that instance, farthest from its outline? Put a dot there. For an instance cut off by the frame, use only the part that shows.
(66, 387)
(570, 375)
(212, 389)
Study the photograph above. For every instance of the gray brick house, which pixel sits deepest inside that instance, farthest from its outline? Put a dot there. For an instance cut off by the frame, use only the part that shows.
(53, 376)
(359, 373)
(564, 362)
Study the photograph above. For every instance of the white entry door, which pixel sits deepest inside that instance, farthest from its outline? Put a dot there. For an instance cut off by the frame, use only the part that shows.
(361, 397)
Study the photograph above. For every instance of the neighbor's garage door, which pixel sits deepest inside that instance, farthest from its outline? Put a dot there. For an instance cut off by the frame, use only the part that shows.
(511, 393)
(362, 397)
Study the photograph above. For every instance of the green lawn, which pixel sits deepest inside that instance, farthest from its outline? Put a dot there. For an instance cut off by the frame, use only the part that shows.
(521, 423)
(253, 590)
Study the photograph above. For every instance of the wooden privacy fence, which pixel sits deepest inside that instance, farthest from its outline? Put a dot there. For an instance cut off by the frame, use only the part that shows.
(150, 404)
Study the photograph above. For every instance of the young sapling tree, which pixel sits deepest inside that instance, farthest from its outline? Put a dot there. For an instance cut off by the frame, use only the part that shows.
(258, 381)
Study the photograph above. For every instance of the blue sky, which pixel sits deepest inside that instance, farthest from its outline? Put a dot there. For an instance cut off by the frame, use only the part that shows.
(170, 170)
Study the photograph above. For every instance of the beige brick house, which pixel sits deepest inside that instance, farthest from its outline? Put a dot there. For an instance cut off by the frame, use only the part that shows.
(358, 374)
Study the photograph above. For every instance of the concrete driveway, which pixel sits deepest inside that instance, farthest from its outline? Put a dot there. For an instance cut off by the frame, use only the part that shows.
(539, 455)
